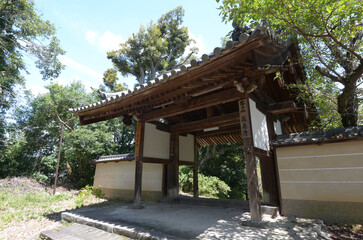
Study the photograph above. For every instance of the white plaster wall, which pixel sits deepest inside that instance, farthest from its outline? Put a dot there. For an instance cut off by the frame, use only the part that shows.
(259, 127)
(156, 142)
(116, 175)
(324, 172)
(277, 127)
(186, 148)
(121, 175)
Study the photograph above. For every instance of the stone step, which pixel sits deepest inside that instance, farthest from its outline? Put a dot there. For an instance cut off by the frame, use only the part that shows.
(80, 232)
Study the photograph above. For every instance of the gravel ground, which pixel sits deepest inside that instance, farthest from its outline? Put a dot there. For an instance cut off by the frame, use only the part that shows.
(30, 229)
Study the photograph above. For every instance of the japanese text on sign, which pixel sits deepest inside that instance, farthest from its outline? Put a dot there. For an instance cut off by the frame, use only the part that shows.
(244, 118)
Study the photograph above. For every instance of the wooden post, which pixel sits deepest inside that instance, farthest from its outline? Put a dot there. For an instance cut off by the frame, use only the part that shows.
(274, 190)
(139, 153)
(59, 152)
(195, 170)
(246, 131)
(173, 167)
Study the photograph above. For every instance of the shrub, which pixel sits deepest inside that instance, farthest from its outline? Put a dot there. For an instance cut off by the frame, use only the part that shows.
(209, 186)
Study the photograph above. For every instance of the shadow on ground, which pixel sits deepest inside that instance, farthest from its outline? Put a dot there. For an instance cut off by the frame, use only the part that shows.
(197, 222)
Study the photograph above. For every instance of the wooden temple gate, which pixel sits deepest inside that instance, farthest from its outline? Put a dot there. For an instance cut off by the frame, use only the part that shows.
(211, 98)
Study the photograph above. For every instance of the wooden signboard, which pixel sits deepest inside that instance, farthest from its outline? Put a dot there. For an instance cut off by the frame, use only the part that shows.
(252, 180)
(244, 118)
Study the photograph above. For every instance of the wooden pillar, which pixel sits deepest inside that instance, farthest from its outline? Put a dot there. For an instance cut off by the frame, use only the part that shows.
(195, 170)
(274, 189)
(139, 153)
(246, 131)
(173, 167)
(269, 182)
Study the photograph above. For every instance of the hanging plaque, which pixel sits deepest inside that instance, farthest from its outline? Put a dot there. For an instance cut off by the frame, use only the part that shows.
(244, 118)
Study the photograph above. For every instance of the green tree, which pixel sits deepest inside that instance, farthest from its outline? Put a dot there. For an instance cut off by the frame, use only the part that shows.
(155, 49)
(226, 162)
(329, 33)
(34, 138)
(23, 32)
(110, 80)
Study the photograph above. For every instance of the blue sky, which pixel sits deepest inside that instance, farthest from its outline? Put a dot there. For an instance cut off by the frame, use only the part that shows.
(87, 29)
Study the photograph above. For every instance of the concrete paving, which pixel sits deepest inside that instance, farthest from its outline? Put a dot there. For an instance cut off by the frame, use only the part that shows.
(79, 232)
(184, 221)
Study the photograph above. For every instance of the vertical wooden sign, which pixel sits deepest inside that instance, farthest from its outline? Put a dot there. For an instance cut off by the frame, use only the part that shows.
(244, 118)
(252, 180)
(138, 139)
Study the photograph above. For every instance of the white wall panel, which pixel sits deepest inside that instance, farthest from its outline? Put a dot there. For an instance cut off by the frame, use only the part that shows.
(259, 127)
(156, 142)
(186, 148)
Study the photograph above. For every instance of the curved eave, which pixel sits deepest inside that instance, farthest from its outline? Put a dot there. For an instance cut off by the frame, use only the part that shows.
(135, 102)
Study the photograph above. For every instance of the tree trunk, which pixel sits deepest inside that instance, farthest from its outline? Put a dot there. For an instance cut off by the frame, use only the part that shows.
(348, 105)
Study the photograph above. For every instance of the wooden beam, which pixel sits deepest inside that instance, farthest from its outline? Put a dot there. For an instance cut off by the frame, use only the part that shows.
(282, 107)
(120, 160)
(248, 149)
(218, 121)
(155, 160)
(260, 152)
(173, 167)
(185, 163)
(197, 103)
(139, 154)
(195, 170)
(161, 126)
(221, 130)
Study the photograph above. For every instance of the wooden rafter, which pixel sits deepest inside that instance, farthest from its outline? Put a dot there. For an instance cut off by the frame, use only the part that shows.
(193, 104)
(222, 120)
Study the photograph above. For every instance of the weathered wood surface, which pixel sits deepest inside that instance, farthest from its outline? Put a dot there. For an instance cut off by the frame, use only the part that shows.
(197, 103)
(173, 167)
(252, 180)
(139, 150)
(282, 107)
(195, 170)
(218, 121)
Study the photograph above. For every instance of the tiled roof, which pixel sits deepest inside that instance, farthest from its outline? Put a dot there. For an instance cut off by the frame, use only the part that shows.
(319, 136)
(114, 158)
(262, 30)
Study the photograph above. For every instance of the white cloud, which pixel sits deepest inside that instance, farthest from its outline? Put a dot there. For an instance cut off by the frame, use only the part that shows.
(109, 41)
(36, 90)
(91, 37)
(80, 67)
(198, 43)
(106, 42)
(62, 81)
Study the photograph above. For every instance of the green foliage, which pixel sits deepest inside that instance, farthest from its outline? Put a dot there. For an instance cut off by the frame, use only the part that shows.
(209, 186)
(110, 80)
(32, 148)
(157, 48)
(91, 190)
(213, 187)
(228, 164)
(86, 192)
(329, 34)
(23, 33)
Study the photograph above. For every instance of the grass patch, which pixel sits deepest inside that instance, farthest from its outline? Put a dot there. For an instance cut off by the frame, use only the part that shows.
(17, 205)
